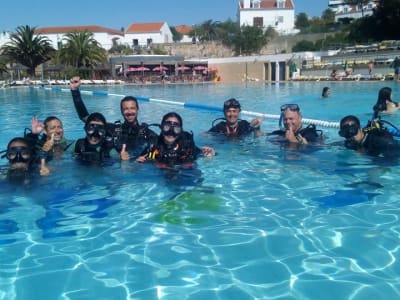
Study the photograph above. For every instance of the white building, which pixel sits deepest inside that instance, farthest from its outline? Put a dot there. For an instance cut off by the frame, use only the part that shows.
(185, 30)
(146, 34)
(350, 11)
(106, 37)
(278, 14)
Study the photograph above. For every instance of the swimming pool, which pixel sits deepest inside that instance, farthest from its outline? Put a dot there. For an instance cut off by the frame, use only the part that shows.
(262, 224)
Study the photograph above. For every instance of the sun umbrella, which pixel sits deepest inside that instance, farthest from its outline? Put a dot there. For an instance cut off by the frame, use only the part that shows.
(142, 69)
(199, 68)
(212, 69)
(160, 68)
(131, 69)
(183, 68)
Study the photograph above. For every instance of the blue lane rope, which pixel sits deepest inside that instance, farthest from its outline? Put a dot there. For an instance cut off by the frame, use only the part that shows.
(189, 105)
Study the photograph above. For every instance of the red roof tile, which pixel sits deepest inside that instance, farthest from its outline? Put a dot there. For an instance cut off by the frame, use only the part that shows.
(144, 27)
(183, 29)
(66, 29)
(271, 4)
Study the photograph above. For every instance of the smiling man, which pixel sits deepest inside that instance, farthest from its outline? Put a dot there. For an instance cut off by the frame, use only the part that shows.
(231, 125)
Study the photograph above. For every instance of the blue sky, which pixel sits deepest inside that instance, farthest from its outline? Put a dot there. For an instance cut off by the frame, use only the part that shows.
(121, 13)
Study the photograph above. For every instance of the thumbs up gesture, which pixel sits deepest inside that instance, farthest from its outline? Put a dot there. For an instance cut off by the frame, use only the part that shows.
(124, 154)
(48, 145)
(44, 170)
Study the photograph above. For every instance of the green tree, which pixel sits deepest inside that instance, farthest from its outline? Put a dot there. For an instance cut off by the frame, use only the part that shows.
(250, 40)
(176, 36)
(304, 46)
(27, 48)
(120, 49)
(3, 65)
(228, 31)
(328, 16)
(207, 31)
(302, 21)
(382, 25)
(81, 50)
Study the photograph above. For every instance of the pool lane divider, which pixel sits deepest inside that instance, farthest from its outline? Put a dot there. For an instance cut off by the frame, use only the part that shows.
(188, 105)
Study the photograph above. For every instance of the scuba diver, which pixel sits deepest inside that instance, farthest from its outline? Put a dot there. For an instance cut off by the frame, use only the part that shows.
(231, 125)
(21, 157)
(292, 131)
(174, 145)
(175, 152)
(135, 136)
(374, 139)
(97, 144)
(48, 138)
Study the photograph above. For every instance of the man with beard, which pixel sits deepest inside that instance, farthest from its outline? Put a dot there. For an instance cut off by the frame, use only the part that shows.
(135, 136)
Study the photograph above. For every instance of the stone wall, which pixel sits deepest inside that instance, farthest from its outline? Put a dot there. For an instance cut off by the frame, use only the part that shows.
(280, 44)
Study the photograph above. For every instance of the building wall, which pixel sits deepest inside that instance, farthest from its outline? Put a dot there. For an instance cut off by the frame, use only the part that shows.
(161, 37)
(104, 39)
(270, 18)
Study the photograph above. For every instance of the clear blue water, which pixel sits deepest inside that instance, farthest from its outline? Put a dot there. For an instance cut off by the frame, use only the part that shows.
(263, 224)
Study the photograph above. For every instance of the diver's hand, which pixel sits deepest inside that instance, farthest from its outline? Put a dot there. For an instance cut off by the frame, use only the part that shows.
(291, 136)
(36, 126)
(48, 145)
(208, 151)
(75, 83)
(44, 170)
(142, 158)
(124, 154)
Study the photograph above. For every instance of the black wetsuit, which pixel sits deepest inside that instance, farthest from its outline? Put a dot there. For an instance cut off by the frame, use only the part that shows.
(38, 140)
(183, 151)
(376, 142)
(310, 133)
(242, 129)
(89, 154)
(136, 137)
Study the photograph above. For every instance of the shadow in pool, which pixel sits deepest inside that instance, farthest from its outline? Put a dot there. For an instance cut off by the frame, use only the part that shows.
(355, 192)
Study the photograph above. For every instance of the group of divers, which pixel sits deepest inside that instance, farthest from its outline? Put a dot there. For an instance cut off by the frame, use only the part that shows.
(174, 147)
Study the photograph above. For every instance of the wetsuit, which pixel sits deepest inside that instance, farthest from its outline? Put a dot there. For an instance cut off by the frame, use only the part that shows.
(310, 133)
(88, 153)
(242, 129)
(183, 151)
(376, 142)
(136, 136)
(37, 141)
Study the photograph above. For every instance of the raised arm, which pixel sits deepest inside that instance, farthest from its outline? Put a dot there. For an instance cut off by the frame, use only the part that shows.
(80, 107)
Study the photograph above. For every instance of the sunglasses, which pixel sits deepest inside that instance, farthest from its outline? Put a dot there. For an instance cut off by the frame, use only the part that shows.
(168, 126)
(292, 107)
(348, 130)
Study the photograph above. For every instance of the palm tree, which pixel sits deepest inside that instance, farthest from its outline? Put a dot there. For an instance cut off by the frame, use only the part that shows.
(207, 31)
(27, 48)
(82, 51)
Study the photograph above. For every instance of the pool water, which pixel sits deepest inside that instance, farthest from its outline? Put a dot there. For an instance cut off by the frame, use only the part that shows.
(254, 222)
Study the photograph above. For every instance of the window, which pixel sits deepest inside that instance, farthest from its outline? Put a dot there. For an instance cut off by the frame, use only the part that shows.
(256, 4)
(135, 42)
(258, 22)
(149, 42)
(281, 3)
